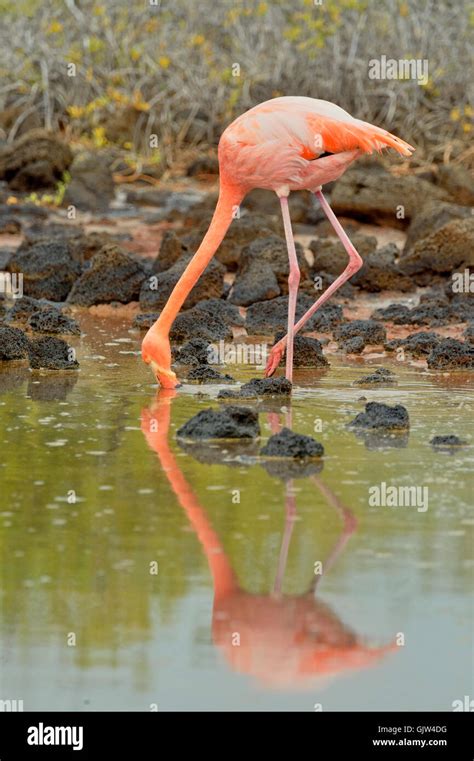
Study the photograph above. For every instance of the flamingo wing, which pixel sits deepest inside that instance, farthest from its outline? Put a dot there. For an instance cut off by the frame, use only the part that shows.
(273, 143)
(338, 136)
(338, 129)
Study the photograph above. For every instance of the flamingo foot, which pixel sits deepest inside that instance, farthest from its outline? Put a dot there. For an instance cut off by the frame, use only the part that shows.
(276, 354)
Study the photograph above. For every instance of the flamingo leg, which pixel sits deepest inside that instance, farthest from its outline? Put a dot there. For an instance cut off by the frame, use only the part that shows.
(293, 283)
(349, 526)
(355, 263)
(290, 508)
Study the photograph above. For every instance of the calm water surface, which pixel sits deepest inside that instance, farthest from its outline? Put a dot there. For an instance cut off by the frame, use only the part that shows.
(135, 572)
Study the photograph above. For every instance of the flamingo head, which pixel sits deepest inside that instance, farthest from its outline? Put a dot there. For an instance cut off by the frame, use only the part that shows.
(156, 352)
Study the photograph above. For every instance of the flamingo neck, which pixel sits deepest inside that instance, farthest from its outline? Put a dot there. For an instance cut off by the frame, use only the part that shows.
(224, 580)
(226, 209)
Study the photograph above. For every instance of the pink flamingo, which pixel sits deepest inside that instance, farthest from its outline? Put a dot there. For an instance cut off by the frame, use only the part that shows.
(284, 144)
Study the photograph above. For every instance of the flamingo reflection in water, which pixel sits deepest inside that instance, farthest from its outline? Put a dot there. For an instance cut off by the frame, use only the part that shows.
(284, 641)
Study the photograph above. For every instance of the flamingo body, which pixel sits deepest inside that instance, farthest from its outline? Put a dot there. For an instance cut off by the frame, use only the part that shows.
(275, 144)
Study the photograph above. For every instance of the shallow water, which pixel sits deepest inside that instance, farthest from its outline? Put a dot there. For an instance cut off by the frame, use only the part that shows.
(96, 491)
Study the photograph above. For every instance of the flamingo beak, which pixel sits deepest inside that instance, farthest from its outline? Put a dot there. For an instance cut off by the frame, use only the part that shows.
(166, 378)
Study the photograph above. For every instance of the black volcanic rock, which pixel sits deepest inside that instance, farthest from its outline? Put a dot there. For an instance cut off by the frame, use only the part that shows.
(49, 269)
(227, 423)
(53, 321)
(13, 343)
(259, 387)
(307, 352)
(450, 354)
(371, 331)
(50, 353)
(287, 443)
(382, 416)
(112, 275)
(207, 374)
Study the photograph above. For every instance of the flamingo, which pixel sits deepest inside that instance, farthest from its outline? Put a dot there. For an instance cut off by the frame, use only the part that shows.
(284, 144)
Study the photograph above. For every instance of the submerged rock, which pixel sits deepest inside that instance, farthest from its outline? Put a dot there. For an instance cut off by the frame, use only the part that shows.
(51, 353)
(227, 423)
(259, 387)
(382, 416)
(381, 375)
(450, 354)
(437, 295)
(307, 352)
(447, 442)
(13, 343)
(53, 321)
(287, 443)
(207, 374)
(112, 275)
